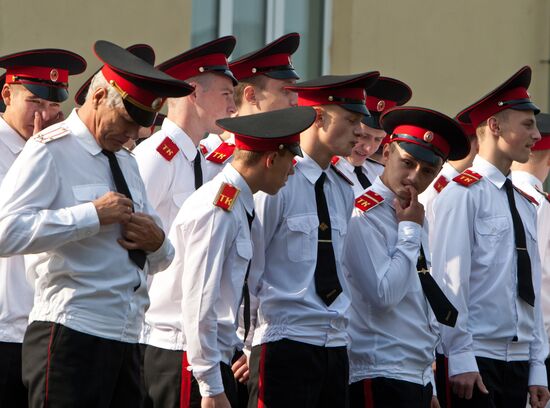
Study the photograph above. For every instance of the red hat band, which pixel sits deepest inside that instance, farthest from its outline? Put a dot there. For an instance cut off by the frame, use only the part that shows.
(130, 92)
(190, 68)
(377, 105)
(316, 97)
(421, 137)
(497, 103)
(52, 76)
(264, 145)
(256, 66)
(542, 144)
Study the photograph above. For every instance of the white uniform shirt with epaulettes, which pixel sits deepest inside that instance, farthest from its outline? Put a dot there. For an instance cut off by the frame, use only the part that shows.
(16, 293)
(289, 307)
(165, 162)
(217, 153)
(474, 262)
(532, 186)
(392, 327)
(348, 169)
(84, 279)
(213, 248)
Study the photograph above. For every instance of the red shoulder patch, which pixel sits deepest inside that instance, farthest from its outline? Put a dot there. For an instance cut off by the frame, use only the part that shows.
(227, 194)
(441, 183)
(222, 153)
(467, 178)
(525, 195)
(368, 200)
(203, 148)
(335, 159)
(168, 149)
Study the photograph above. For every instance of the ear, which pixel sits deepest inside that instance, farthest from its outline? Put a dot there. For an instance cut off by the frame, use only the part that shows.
(193, 95)
(493, 125)
(320, 117)
(386, 151)
(249, 95)
(6, 94)
(99, 96)
(270, 158)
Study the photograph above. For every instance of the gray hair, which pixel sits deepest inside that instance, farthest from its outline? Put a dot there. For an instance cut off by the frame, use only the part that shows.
(114, 99)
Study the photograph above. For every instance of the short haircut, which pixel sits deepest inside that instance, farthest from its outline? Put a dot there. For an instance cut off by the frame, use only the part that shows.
(258, 82)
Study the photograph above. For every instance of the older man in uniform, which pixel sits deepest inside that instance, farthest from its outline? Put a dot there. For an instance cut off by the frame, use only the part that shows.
(75, 199)
(35, 84)
(485, 255)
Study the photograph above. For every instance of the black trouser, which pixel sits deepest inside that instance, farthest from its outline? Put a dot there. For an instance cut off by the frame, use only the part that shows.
(12, 391)
(507, 383)
(381, 392)
(66, 368)
(288, 374)
(169, 383)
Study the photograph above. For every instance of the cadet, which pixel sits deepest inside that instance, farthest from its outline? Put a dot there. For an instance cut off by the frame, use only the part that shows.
(299, 357)
(95, 246)
(485, 256)
(35, 84)
(386, 258)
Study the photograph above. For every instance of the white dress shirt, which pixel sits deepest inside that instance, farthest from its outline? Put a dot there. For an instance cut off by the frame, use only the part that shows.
(527, 183)
(168, 182)
(213, 249)
(392, 327)
(208, 145)
(373, 167)
(474, 260)
(349, 171)
(289, 307)
(16, 293)
(84, 279)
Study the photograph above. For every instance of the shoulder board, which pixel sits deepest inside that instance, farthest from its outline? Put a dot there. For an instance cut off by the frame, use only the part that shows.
(204, 149)
(526, 196)
(222, 153)
(543, 193)
(368, 200)
(467, 178)
(335, 159)
(50, 134)
(440, 183)
(375, 162)
(168, 149)
(227, 194)
(342, 175)
(294, 162)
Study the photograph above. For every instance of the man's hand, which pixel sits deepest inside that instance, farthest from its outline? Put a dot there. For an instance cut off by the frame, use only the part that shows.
(217, 401)
(240, 369)
(41, 123)
(435, 402)
(141, 232)
(463, 384)
(538, 396)
(413, 212)
(113, 208)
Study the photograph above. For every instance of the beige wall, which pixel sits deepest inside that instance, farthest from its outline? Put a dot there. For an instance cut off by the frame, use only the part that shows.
(450, 52)
(76, 24)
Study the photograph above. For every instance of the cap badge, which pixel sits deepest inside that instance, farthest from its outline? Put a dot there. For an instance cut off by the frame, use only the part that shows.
(331, 98)
(254, 70)
(54, 75)
(156, 104)
(201, 69)
(428, 136)
(380, 106)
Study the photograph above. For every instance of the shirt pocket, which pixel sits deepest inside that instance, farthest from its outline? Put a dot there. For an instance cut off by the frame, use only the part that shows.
(243, 249)
(89, 192)
(339, 230)
(138, 199)
(492, 229)
(302, 237)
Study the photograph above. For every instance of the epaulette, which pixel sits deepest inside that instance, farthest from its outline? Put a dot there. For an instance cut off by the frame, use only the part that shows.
(467, 178)
(342, 175)
(543, 193)
(375, 162)
(227, 194)
(440, 183)
(168, 149)
(204, 149)
(222, 153)
(335, 159)
(368, 200)
(51, 133)
(526, 196)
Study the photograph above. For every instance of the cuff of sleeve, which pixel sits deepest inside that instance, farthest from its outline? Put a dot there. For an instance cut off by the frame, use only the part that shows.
(162, 253)
(86, 219)
(537, 375)
(210, 382)
(409, 231)
(462, 363)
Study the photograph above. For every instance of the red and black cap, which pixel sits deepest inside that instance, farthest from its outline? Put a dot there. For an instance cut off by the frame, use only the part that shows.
(44, 72)
(142, 87)
(270, 131)
(467, 128)
(347, 91)
(512, 94)
(209, 57)
(143, 51)
(2, 82)
(425, 134)
(272, 60)
(383, 95)
(543, 123)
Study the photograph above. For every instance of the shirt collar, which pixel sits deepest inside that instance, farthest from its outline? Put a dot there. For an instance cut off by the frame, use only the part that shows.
(523, 177)
(489, 171)
(309, 168)
(448, 171)
(379, 187)
(82, 133)
(10, 137)
(245, 194)
(181, 138)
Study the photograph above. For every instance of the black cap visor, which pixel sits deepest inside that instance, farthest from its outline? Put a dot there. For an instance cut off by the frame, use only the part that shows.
(295, 149)
(282, 74)
(49, 93)
(140, 116)
(372, 121)
(421, 153)
(526, 106)
(356, 107)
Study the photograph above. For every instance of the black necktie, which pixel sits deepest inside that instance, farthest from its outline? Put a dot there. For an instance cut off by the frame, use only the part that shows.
(198, 170)
(525, 281)
(246, 293)
(327, 284)
(363, 180)
(138, 256)
(443, 309)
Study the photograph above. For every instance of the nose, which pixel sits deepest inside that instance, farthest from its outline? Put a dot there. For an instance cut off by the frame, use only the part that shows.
(231, 107)
(536, 135)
